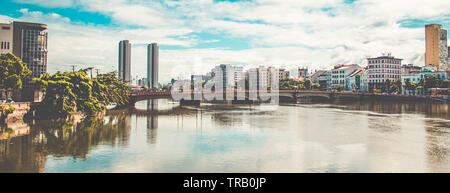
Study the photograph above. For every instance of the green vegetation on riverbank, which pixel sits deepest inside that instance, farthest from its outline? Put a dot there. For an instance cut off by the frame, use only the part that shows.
(69, 92)
(12, 73)
(426, 83)
(291, 84)
(5, 110)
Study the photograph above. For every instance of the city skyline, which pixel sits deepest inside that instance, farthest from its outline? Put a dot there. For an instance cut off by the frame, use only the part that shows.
(318, 35)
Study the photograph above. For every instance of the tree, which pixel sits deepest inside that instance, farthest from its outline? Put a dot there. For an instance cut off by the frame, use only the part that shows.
(387, 86)
(307, 84)
(12, 73)
(316, 86)
(340, 87)
(445, 84)
(68, 92)
(408, 85)
(396, 87)
(110, 90)
(429, 81)
(5, 110)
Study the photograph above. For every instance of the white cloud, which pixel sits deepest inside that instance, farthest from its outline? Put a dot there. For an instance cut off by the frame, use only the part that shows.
(289, 32)
(47, 3)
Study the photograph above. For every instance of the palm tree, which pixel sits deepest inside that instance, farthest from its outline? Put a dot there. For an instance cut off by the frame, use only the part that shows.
(408, 85)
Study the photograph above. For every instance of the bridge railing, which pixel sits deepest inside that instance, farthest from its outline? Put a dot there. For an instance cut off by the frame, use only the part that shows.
(169, 93)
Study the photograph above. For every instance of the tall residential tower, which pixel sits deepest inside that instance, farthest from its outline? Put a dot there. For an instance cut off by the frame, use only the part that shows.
(125, 61)
(152, 65)
(436, 50)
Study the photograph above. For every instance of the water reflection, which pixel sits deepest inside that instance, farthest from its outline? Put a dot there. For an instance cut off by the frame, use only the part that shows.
(152, 122)
(160, 136)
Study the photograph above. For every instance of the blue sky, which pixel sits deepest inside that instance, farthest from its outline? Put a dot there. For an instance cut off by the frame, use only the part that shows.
(195, 35)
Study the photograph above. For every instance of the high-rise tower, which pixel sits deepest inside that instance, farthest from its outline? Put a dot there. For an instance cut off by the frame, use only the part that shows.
(436, 50)
(30, 45)
(152, 65)
(125, 61)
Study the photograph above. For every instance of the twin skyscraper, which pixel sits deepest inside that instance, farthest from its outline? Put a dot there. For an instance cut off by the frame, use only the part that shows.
(152, 63)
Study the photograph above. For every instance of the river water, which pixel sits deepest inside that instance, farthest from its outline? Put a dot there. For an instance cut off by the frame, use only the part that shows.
(160, 136)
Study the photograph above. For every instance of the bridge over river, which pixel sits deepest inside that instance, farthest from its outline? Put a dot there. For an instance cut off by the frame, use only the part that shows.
(284, 96)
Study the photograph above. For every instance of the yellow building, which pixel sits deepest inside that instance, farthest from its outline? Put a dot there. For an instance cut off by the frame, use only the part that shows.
(436, 50)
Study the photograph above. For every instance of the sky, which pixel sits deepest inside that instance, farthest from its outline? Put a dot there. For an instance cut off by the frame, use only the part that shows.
(196, 35)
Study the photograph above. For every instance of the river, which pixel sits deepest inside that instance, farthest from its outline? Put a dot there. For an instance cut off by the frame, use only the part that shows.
(160, 136)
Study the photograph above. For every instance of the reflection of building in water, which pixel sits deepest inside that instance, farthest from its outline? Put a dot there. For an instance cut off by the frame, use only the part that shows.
(152, 128)
(152, 122)
(228, 119)
(152, 105)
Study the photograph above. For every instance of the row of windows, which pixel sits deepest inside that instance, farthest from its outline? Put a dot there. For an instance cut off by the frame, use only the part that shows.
(383, 76)
(385, 66)
(378, 81)
(337, 72)
(5, 46)
(412, 79)
(338, 82)
(384, 71)
(384, 61)
(338, 76)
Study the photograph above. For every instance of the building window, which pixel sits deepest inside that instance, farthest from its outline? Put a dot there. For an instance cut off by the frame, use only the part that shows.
(8, 46)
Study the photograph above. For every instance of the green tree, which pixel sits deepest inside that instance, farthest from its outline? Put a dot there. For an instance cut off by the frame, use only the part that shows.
(387, 86)
(445, 84)
(307, 84)
(316, 86)
(429, 81)
(340, 87)
(409, 85)
(110, 90)
(68, 92)
(12, 73)
(5, 110)
(396, 87)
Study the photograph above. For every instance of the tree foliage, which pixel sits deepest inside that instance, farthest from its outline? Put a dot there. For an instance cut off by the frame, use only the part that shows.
(12, 72)
(291, 84)
(5, 110)
(110, 89)
(68, 92)
(410, 86)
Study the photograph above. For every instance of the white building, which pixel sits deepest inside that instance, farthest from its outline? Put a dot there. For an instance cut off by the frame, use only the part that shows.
(340, 73)
(258, 78)
(6, 38)
(226, 76)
